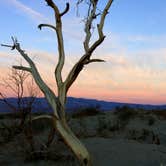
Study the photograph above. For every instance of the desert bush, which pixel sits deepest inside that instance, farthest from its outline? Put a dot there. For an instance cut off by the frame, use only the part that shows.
(84, 112)
(151, 120)
(139, 135)
(103, 126)
(9, 115)
(31, 131)
(41, 124)
(114, 128)
(8, 132)
(125, 113)
(159, 113)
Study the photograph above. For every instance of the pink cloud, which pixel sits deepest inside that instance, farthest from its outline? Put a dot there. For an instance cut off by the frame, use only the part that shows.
(120, 79)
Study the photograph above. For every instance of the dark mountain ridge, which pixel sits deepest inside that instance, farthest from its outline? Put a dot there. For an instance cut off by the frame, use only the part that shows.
(73, 104)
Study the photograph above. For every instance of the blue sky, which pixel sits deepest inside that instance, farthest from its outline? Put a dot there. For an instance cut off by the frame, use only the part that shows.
(135, 47)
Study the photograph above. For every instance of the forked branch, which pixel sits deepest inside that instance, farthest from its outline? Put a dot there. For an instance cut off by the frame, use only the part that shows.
(85, 59)
(49, 94)
(91, 16)
(61, 58)
(58, 29)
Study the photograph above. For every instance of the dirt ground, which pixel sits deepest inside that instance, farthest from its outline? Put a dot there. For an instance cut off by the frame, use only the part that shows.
(110, 142)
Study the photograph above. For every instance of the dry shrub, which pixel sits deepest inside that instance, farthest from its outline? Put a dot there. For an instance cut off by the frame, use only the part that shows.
(84, 112)
(159, 113)
(125, 113)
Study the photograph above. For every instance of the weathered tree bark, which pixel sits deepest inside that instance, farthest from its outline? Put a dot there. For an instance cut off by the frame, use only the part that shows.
(57, 103)
(74, 143)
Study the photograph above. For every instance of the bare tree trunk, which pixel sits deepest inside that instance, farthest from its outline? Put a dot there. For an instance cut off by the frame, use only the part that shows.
(73, 142)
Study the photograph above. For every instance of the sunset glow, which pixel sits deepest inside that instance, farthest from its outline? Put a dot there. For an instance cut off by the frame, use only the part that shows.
(134, 49)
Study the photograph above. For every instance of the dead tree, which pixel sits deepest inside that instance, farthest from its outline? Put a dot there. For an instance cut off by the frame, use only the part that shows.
(21, 84)
(57, 102)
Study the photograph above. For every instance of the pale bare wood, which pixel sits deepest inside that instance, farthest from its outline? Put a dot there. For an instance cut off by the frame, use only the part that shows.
(88, 24)
(42, 117)
(74, 143)
(49, 94)
(61, 59)
(58, 27)
(58, 103)
(77, 68)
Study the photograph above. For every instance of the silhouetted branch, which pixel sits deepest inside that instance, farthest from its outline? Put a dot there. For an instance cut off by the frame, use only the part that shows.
(66, 9)
(46, 25)
(23, 68)
(94, 60)
(50, 3)
(5, 45)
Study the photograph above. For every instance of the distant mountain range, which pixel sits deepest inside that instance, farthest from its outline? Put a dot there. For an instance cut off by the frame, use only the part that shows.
(73, 104)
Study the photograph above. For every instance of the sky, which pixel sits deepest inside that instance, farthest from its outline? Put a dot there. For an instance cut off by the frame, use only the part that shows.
(134, 48)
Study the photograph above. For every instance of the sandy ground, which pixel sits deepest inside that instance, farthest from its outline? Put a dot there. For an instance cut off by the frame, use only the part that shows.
(108, 152)
(109, 146)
